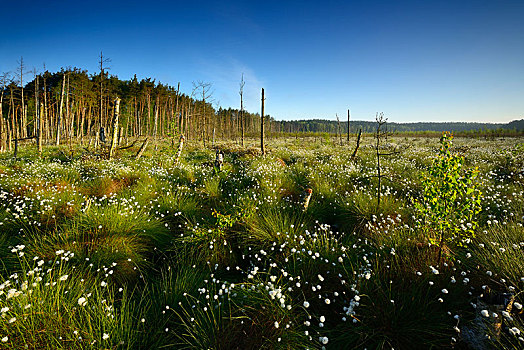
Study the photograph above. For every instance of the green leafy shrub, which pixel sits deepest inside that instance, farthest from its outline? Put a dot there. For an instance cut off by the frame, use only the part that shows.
(451, 200)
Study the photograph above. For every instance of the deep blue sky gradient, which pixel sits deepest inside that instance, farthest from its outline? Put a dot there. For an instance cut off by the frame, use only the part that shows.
(414, 60)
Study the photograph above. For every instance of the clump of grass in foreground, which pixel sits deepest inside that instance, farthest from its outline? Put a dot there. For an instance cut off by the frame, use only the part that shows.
(161, 296)
(500, 249)
(114, 236)
(275, 225)
(399, 315)
(48, 306)
(242, 316)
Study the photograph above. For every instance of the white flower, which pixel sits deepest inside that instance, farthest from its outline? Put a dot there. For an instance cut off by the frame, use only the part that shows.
(103, 284)
(276, 324)
(517, 305)
(320, 278)
(82, 301)
(445, 291)
(63, 278)
(5, 339)
(306, 304)
(514, 331)
(484, 313)
(4, 309)
(323, 340)
(105, 336)
(322, 319)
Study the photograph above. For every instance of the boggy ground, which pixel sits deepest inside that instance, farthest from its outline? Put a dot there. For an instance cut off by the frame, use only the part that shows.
(149, 254)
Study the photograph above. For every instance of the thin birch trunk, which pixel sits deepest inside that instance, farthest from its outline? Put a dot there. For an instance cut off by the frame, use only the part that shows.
(60, 112)
(115, 128)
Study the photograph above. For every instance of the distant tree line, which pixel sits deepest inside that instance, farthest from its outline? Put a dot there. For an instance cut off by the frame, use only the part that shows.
(333, 127)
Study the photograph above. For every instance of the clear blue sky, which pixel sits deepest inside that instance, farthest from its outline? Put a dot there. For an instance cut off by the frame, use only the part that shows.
(413, 60)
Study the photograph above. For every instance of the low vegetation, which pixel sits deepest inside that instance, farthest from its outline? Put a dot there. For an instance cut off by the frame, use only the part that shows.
(289, 250)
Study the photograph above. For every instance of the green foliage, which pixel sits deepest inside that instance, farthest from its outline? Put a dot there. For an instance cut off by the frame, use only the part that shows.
(213, 243)
(48, 305)
(451, 200)
(231, 260)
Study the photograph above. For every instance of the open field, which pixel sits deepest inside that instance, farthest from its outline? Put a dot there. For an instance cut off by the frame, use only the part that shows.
(150, 253)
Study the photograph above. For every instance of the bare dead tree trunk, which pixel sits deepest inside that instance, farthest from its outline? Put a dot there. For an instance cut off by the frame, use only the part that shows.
(14, 127)
(67, 117)
(3, 127)
(101, 88)
(38, 118)
(180, 147)
(357, 146)
(242, 83)
(96, 143)
(80, 133)
(204, 127)
(179, 117)
(3, 135)
(46, 119)
(22, 116)
(142, 149)
(120, 135)
(16, 135)
(157, 106)
(39, 140)
(148, 121)
(381, 121)
(115, 128)
(60, 112)
(339, 130)
(348, 126)
(262, 147)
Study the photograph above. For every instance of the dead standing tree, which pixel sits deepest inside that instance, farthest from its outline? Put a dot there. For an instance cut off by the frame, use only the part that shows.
(357, 145)
(19, 125)
(60, 113)
(348, 126)
(205, 90)
(241, 92)
(339, 129)
(114, 139)
(262, 147)
(380, 134)
(38, 116)
(3, 125)
(23, 116)
(102, 63)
